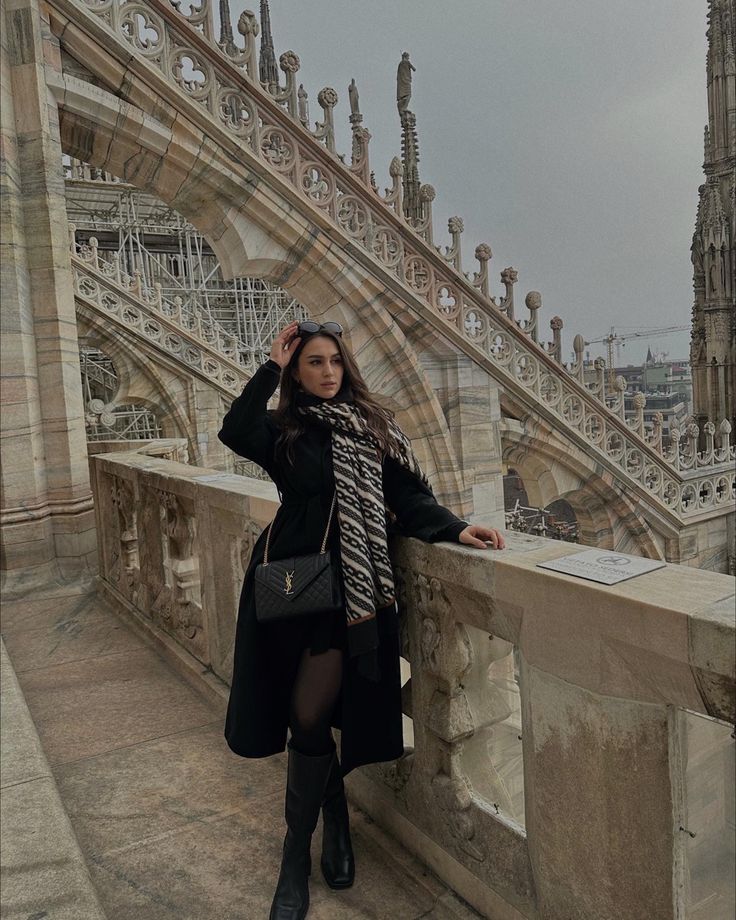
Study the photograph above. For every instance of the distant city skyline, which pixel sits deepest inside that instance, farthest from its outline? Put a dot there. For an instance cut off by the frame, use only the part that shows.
(566, 135)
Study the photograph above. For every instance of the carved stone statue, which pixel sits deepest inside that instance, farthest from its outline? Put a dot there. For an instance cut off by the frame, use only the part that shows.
(354, 98)
(403, 83)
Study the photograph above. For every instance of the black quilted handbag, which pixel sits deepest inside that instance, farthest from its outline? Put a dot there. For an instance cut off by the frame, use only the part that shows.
(295, 587)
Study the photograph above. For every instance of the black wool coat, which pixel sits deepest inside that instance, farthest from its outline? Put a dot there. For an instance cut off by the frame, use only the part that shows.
(267, 655)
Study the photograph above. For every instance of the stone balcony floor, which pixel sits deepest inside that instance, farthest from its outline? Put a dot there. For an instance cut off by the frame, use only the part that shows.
(169, 822)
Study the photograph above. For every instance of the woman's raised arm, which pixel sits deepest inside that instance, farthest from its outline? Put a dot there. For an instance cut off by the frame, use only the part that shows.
(247, 427)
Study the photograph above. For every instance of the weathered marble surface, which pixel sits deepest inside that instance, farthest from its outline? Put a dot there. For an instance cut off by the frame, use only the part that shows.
(42, 871)
(172, 825)
(47, 505)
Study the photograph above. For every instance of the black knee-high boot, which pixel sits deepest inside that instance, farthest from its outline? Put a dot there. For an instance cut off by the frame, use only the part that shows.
(305, 784)
(338, 863)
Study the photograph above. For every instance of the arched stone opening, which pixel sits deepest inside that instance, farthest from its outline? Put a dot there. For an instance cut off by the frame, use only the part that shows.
(106, 416)
(256, 233)
(606, 515)
(141, 382)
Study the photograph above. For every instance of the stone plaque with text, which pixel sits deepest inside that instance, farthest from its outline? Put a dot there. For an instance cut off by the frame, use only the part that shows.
(602, 565)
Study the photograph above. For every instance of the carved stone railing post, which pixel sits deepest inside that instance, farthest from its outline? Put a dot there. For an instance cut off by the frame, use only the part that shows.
(724, 431)
(693, 435)
(709, 429)
(675, 456)
(533, 303)
(509, 277)
(619, 404)
(484, 255)
(640, 402)
(578, 367)
(555, 346)
(325, 130)
(393, 195)
(289, 64)
(360, 159)
(453, 253)
(656, 440)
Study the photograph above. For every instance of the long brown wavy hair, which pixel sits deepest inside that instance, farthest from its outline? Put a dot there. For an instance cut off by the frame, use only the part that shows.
(292, 423)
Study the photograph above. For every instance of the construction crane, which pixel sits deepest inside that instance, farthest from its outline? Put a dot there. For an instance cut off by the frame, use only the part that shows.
(619, 339)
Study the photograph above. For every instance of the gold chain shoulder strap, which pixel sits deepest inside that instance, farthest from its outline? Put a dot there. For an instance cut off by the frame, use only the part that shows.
(323, 548)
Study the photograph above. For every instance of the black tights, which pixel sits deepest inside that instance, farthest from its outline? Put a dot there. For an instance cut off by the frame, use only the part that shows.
(313, 699)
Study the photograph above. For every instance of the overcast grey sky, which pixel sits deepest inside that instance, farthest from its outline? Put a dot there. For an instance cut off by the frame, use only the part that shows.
(566, 133)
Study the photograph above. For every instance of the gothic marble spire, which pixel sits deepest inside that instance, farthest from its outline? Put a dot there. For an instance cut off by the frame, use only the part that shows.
(267, 70)
(413, 207)
(226, 28)
(713, 337)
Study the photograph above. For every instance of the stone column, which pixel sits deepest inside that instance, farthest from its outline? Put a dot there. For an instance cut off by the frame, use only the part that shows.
(47, 518)
(601, 803)
(470, 400)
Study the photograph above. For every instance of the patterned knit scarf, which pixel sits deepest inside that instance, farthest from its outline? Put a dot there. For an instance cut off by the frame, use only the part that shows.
(356, 459)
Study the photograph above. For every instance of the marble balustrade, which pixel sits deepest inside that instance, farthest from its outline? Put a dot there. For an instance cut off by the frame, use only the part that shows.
(545, 773)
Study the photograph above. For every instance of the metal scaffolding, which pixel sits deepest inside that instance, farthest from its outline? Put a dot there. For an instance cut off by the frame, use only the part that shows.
(104, 420)
(151, 241)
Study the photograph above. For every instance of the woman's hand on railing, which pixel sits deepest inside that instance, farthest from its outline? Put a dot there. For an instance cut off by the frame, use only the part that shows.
(480, 537)
(285, 344)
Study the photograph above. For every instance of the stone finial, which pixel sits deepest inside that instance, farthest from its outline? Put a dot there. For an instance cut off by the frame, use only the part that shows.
(640, 400)
(395, 168)
(289, 62)
(578, 368)
(533, 301)
(327, 98)
(249, 29)
(509, 277)
(555, 324)
(427, 193)
(483, 252)
(248, 24)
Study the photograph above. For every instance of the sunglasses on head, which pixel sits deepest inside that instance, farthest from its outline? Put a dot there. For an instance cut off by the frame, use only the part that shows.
(309, 327)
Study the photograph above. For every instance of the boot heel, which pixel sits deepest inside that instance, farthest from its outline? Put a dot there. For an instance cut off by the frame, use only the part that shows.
(337, 862)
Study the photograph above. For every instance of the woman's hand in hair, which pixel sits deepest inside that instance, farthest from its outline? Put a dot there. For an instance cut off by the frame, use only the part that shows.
(285, 344)
(478, 536)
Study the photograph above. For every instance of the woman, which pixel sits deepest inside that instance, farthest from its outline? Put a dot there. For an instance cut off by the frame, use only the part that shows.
(328, 438)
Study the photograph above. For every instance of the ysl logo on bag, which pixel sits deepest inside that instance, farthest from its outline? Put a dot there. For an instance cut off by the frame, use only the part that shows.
(289, 582)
